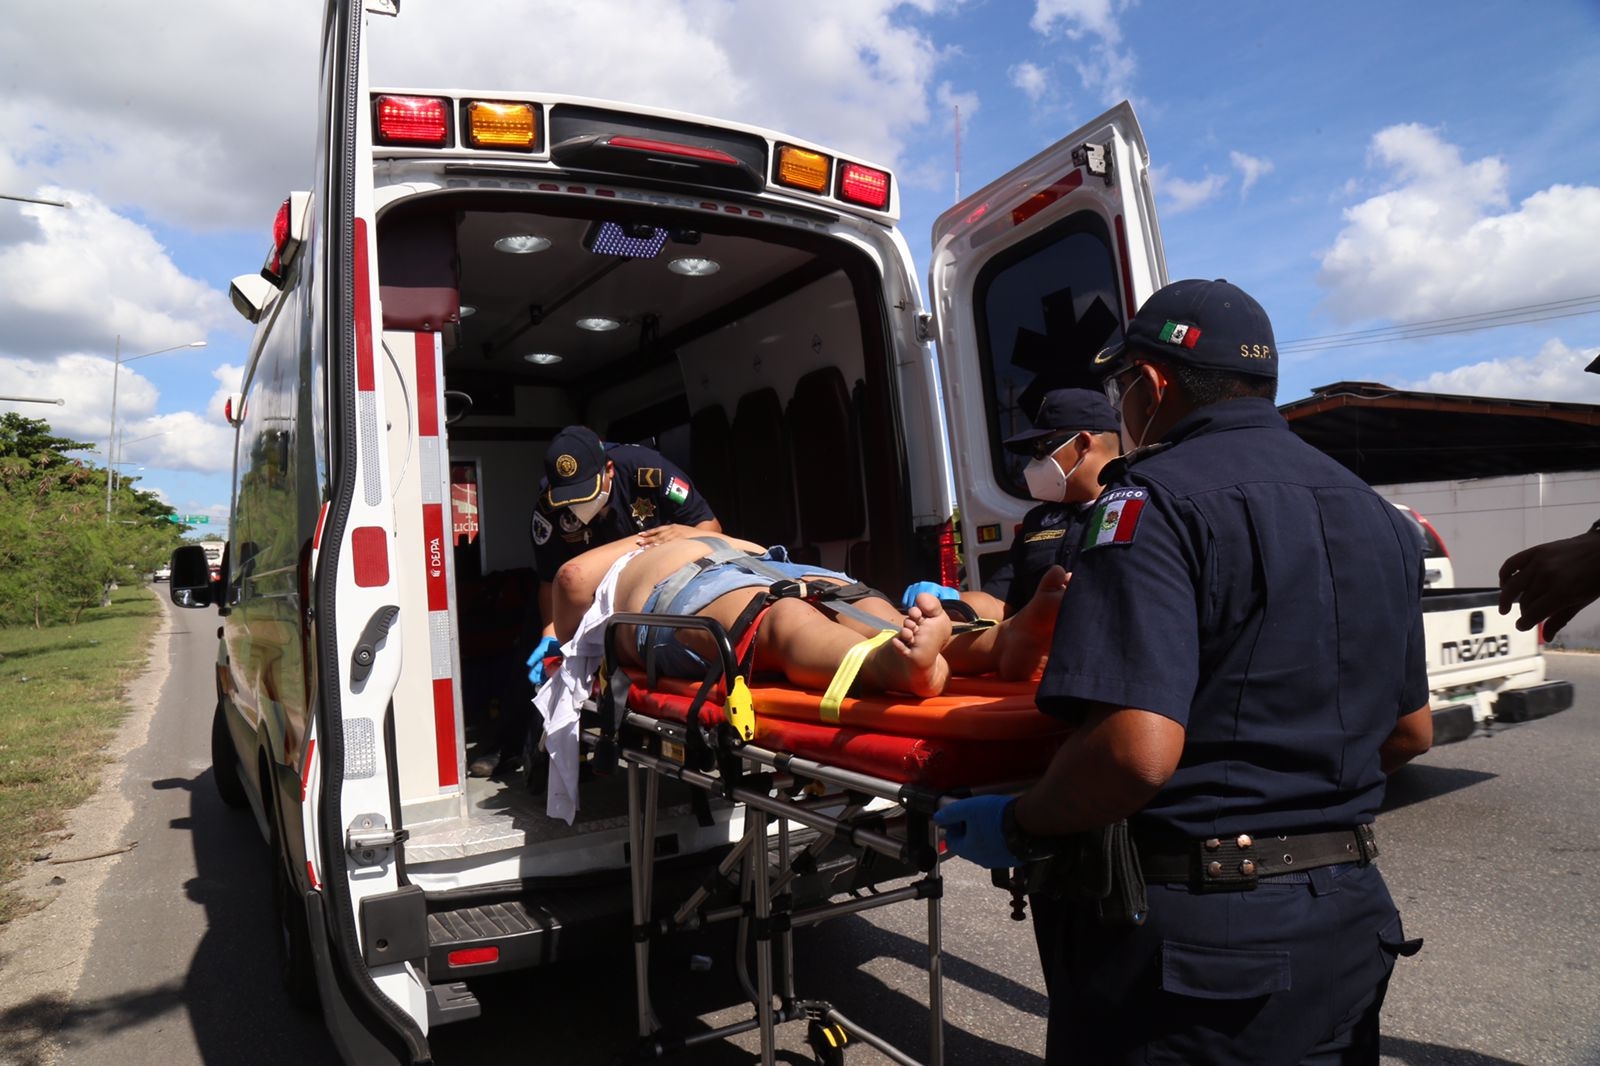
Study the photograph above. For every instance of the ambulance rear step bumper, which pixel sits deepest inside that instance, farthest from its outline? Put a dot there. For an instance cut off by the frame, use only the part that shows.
(1526, 704)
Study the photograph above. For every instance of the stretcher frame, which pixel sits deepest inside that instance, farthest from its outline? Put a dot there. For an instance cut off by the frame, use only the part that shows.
(769, 785)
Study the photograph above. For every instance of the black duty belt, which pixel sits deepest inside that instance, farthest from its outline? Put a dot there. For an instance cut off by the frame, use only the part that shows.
(1237, 863)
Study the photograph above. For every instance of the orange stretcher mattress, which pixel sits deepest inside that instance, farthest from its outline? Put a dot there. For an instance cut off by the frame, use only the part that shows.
(981, 731)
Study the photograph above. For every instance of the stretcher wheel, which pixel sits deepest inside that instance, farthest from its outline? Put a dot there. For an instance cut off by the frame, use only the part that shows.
(827, 1042)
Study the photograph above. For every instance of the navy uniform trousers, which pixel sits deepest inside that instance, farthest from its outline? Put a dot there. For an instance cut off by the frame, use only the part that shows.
(1292, 972)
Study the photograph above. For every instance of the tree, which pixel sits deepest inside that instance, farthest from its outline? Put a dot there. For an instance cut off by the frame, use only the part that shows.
(58, 553)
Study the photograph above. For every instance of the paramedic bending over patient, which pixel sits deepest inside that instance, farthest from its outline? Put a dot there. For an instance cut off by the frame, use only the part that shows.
(595, 494)
(795, 637)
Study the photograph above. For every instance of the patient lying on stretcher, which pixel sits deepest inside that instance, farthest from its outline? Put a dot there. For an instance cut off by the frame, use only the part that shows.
(795, 637)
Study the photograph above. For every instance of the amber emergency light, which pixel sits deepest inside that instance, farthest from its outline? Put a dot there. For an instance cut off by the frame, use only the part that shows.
(800, 168)
(412, 120)
(509, 126)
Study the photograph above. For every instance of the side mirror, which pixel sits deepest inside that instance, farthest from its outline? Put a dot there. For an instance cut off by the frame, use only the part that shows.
(190, 584)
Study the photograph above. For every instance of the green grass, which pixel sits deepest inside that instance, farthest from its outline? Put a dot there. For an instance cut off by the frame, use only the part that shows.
(61, 700)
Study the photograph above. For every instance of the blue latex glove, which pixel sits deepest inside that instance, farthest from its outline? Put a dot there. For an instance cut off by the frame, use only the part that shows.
(547, 646)
(972, 830)
(940, 592)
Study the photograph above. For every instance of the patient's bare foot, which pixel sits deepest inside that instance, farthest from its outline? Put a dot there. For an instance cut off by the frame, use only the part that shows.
(911, 661)
(1023, 644)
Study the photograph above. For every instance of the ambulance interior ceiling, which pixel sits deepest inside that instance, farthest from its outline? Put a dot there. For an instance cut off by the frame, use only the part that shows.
(531, 303)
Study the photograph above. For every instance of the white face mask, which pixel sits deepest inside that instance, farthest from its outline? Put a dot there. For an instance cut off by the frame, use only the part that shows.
(1128, 443)
(1046, 482)
(586, 511)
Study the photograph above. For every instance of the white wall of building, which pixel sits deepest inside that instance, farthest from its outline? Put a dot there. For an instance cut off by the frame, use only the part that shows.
(1483, 520)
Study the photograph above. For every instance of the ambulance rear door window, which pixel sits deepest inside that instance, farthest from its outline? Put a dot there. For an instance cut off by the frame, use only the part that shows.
(1043, 308)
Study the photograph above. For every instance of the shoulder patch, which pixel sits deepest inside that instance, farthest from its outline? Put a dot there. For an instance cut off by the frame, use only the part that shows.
(1115, 518)
(649, 477)
(541, 528)
(678, 490)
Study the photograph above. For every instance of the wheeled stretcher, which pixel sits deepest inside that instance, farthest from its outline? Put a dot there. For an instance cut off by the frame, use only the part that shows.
(862, 776)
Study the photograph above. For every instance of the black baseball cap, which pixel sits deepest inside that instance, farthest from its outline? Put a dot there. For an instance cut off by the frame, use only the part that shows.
(1063, 410)
(1210, 324)
(574, 466)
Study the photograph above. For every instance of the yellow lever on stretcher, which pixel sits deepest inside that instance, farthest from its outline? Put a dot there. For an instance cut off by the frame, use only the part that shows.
(741, 709)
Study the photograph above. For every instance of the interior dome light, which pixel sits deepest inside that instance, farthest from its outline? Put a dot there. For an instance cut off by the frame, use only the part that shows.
(694, 267)
(522, 243)
(598, 324)
(542, 358)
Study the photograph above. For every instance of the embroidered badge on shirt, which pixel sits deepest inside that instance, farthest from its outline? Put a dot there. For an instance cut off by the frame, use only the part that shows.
(569, 521)
(1044, 534)
(1115, 518)
(677, 490)
(541, 528)
(649, 477)
(642, 510)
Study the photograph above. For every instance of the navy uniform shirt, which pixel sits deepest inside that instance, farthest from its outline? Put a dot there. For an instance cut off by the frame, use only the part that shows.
(1049, 534)
(1246, 586)
(647, 490)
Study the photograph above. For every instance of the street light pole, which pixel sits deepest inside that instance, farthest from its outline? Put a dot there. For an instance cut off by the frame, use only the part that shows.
(116, 376)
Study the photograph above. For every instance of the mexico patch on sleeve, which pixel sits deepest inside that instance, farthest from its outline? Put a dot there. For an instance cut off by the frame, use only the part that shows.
(1115, 518)
(677, 490)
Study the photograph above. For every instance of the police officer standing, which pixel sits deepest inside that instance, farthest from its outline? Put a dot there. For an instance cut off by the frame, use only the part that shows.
(1074, 436)
(1241, 651)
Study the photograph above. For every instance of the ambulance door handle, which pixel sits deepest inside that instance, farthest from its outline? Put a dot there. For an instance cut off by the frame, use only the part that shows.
(366, 652)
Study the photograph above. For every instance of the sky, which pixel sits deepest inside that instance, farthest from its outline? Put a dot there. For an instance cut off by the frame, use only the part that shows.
(1357, 167)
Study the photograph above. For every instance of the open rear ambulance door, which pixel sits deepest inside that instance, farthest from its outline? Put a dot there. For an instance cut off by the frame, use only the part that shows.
(367, 930)
(1030, 277)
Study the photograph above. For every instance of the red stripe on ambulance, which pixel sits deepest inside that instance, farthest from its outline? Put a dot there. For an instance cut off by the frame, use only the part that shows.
(444, 725)
(366, 380)
(428, 352)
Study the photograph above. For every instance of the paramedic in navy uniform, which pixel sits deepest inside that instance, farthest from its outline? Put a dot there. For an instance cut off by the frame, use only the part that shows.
(1241, 651)
(1075, 435)
(595, 493)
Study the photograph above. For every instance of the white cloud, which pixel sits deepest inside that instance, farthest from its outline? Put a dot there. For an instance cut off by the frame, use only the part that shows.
(1031, 79)
(1078, 18)
(1179, 195)
(1555, 373)
(1104, 67)
(80, 277)
(1251, 168)
(1446, 240)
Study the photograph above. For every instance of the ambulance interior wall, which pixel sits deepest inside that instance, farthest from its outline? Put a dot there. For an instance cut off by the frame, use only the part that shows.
(1484, 520)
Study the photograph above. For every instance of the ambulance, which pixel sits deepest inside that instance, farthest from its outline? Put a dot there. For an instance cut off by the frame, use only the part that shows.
(470, 271)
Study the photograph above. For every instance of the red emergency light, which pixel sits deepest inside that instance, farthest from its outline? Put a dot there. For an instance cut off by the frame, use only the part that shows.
(280, 237)
(864, 186)
(423, 121)
(473, 956)
(687, 151)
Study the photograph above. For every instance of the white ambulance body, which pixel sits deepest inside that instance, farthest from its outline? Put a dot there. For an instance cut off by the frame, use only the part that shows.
(471, 272)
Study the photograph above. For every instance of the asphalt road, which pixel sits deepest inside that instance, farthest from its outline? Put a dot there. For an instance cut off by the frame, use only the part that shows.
(1490, 845)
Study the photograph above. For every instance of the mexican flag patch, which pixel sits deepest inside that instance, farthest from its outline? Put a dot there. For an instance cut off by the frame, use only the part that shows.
(1180, 334)
(677, 490)
(1115, 519)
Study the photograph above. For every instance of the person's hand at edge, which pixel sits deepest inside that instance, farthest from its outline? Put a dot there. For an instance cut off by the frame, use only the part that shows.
(974, 829)
(1552, 581)
(649, 538)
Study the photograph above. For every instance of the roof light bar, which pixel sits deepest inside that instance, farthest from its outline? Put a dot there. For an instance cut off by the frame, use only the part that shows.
(412, 120)
(864, 186)
(801, 168)
(506, 126)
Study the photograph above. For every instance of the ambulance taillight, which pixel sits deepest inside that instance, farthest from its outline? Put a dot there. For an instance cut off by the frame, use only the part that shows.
(801, 168)
(415, 121)
(949, 561)
(864, 186)
(505, 126)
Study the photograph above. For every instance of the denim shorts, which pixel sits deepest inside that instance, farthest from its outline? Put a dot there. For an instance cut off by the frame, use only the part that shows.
(673, 659)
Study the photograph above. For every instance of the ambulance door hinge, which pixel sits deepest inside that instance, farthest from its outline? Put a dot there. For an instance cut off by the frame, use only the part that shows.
(369, 840)
(924, 328)
(1095, 159)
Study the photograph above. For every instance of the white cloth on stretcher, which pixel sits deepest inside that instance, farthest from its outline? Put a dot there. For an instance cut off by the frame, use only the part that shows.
(564, 691)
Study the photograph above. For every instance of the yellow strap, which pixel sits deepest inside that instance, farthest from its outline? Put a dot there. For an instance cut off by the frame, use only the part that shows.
(839, 687)
(741, 708)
